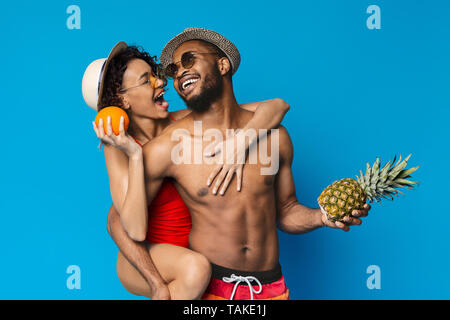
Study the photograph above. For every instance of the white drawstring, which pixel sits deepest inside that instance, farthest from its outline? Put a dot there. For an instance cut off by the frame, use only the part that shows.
(240, 279)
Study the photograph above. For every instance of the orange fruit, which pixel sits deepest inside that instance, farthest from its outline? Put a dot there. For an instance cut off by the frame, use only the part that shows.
(115, 113)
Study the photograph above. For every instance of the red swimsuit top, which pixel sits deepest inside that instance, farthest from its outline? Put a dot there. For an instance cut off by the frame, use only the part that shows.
(169, 219)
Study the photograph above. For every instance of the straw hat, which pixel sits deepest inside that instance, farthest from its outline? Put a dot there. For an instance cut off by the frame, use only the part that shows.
(210, 36)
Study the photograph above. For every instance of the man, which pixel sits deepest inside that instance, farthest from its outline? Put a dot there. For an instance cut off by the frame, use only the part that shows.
(235, 231)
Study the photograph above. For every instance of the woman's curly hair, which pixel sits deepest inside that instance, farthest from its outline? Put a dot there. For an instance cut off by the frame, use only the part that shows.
(116, 69)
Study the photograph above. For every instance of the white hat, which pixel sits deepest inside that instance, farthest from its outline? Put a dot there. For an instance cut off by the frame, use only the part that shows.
(94, 76)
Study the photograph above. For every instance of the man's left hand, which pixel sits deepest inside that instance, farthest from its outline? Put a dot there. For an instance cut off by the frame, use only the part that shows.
(352, 220)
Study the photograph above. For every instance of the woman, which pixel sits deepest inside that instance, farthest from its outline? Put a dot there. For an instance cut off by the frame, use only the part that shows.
(163, 266)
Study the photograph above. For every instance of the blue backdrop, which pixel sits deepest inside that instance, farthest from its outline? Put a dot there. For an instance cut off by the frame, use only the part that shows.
(355, 93)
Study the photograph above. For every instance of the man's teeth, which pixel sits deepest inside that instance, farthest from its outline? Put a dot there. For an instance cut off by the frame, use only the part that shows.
(188, 82)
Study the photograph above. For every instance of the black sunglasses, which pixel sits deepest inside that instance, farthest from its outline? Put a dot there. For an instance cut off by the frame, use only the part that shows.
(187, 61)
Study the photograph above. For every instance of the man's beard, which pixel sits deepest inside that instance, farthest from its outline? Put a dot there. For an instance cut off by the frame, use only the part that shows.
(210, 91)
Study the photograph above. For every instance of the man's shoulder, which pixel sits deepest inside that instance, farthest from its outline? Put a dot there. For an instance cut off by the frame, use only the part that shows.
(180, 114)
(286, 148)
(157, 147)
(157, 156)
(180, 124)
(164, 142)
(283, 134)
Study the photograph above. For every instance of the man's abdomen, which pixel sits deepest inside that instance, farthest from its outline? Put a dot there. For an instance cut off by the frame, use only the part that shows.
(241, 244)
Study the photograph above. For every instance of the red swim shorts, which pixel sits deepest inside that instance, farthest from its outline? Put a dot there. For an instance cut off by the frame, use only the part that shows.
(229, 284)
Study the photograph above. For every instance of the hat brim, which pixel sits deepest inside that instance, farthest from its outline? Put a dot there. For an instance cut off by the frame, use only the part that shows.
(117, 48)
(210, 36)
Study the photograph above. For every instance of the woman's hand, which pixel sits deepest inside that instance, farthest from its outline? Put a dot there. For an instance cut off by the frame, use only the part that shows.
(233, 162)
(160, 292)
(267, 115)
(123, 141)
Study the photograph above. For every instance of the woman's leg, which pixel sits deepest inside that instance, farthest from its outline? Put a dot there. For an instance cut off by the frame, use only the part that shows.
(186, 272)
(130, 278)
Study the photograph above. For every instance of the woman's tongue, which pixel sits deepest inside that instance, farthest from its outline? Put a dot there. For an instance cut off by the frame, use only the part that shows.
(162, 103)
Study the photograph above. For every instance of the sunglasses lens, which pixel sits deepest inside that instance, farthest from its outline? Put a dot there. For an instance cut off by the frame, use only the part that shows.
(171, 70)
(187, 60)
(153, 81)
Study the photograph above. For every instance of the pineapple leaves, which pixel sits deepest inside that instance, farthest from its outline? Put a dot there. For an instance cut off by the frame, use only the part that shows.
(406, 173)
(375, 172)
(383, 183)
(407, 182)
(368, 174)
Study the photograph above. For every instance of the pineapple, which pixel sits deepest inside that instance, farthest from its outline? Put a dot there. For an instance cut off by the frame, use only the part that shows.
(339, 199)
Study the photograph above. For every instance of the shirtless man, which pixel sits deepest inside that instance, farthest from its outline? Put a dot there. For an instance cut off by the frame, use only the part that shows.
(236, 231)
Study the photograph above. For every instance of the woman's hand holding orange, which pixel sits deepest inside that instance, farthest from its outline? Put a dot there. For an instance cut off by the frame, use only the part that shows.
(122, 141)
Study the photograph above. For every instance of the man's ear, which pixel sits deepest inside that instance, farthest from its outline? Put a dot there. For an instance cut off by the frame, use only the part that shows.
(224, 65)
